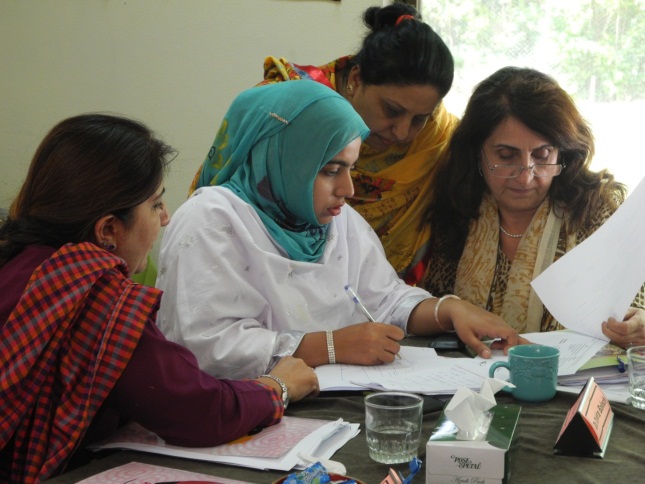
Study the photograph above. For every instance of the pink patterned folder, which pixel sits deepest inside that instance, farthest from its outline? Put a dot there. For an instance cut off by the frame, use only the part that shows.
(138, 473)
(275, 447)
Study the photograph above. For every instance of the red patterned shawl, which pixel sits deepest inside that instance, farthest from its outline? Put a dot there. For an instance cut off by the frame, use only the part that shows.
(62, 349)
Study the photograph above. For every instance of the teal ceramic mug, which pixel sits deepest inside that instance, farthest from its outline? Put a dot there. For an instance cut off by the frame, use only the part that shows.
(534, 372)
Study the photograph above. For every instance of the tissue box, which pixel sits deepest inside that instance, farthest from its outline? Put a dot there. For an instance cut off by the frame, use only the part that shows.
(489, 461)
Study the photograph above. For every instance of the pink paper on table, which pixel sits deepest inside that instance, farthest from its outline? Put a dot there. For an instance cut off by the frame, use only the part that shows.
(270, 442)
(138, 473)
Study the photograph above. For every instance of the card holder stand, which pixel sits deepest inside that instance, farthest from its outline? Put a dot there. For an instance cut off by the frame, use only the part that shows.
(587, 427)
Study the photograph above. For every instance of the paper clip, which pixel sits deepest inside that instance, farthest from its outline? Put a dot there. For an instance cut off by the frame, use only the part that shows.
(621, 365)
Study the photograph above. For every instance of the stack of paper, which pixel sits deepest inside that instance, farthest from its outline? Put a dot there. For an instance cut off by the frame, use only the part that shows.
(605, 375)
(606, 370)
(605, 367)
(275, 447)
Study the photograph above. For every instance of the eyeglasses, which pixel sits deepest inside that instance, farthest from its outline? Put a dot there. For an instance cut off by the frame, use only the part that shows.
(539, 170)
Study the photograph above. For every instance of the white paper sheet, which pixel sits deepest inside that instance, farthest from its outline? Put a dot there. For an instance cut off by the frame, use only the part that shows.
(445, 377)
(575, 350)
(276, 447)
(599, 278)
(341, 377)
(421, 370)
(617, 393)
(138, 473)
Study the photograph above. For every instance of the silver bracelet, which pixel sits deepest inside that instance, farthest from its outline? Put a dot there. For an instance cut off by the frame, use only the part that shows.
(331, 352)
(436, 311)
(283, 387)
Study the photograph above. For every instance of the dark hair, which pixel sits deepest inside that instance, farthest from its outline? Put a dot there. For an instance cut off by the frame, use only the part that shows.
(87, 166)
(404, 54)
(539, 103)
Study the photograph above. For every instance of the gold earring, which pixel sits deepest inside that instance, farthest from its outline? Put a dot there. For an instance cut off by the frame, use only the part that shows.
(350, 88)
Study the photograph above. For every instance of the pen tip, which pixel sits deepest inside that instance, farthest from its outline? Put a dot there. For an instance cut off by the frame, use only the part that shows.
(346, 287)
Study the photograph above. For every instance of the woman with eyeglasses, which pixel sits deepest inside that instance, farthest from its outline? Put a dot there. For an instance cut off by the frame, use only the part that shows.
(514, 195)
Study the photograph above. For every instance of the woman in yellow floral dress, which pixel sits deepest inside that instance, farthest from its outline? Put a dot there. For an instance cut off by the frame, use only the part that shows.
(396, 82)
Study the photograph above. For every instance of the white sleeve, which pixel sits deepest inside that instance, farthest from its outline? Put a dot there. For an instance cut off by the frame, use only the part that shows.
(210, 304)
(374, 278)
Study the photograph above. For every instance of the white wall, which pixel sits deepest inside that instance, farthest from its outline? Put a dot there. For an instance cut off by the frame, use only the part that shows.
(174, 64)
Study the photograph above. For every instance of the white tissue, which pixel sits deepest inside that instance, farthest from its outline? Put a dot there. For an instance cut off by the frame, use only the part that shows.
(469, 410)
(332, 466)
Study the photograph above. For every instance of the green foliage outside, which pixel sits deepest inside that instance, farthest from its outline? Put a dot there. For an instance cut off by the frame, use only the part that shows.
(594, 48)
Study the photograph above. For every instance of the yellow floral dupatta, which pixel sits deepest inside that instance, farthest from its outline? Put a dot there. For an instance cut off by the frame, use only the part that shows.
(521, 307)
(392, 189)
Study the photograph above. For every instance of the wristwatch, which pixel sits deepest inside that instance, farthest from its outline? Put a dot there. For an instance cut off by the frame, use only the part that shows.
(285, 391)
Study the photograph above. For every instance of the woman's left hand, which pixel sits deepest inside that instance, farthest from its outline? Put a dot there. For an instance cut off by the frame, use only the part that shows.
(628, 332)
(474, 324)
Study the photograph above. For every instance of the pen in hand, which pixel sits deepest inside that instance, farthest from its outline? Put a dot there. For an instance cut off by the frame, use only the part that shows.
(359, 302)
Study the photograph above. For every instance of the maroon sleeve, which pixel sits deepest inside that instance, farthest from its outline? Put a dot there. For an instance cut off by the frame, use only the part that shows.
(163, 389)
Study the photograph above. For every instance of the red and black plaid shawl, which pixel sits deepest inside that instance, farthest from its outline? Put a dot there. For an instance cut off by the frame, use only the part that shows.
(62, 349)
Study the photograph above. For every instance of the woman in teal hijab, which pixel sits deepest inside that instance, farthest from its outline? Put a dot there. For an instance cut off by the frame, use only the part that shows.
(247, 127)
(262, 162)
(255, 267)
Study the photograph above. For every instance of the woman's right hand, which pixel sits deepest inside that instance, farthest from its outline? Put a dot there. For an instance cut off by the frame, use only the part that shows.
(367, 343)
(301, 380)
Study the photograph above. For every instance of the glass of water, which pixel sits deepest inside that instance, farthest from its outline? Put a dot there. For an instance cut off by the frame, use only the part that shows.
(636, 369)
(393, 424)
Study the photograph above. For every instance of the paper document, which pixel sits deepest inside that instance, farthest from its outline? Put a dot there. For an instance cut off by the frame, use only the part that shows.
(342, 377)
(575, 349)
(606, 356)
(604, 367)
(617, 393)
(605, 375)
(138, 473)
(421, 370)
(276, 447)
(599, 278)
(445, 377)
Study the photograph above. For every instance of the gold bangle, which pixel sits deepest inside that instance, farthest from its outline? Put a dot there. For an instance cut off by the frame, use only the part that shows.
(436, 311)
(331, 352)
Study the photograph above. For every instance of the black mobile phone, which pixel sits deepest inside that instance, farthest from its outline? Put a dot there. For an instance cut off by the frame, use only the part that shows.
(446, 342)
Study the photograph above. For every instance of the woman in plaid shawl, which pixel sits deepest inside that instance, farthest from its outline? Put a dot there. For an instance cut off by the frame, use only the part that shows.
(79, 350)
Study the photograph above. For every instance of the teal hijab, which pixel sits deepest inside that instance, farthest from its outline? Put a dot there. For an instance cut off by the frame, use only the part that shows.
(271, 145)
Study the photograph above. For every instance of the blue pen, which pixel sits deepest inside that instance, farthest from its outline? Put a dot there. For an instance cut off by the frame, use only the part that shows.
(621, 365)
(359, 302)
